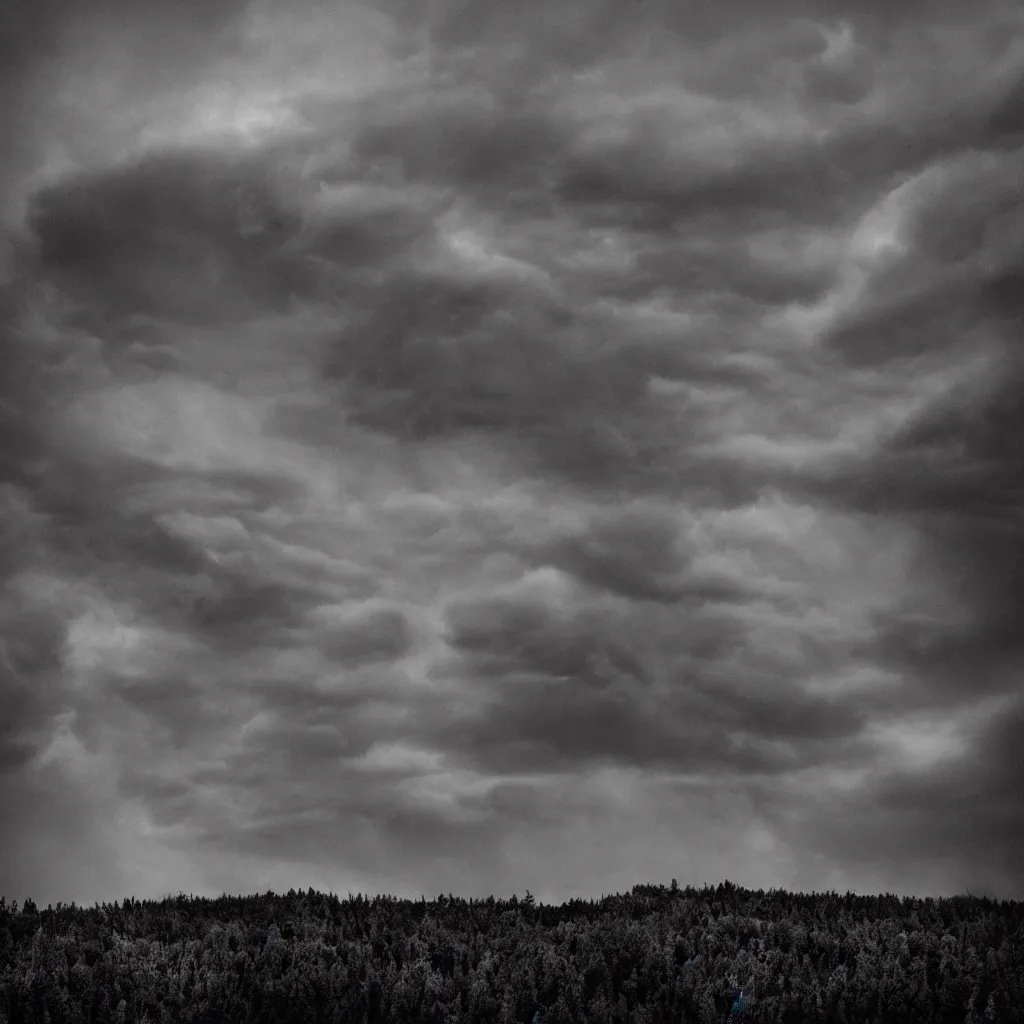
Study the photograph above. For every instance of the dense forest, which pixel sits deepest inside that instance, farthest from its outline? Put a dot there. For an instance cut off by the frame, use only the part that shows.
(656, 955)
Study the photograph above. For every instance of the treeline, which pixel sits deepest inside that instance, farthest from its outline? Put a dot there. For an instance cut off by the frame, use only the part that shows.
(658, 955)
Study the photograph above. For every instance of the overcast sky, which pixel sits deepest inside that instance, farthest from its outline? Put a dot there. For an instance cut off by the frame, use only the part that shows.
(470, 447)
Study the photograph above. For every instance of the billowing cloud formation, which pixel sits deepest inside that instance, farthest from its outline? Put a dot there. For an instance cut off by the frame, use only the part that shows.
(174, 237)
(442, 444)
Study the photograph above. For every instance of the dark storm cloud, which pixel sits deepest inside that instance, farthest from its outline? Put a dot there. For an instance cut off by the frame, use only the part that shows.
(955, 468)
(157, 45)
(488, 142)
(35, 32)
(958, 459)
(575, 33)
(172, 710)
(980, 792)
(237, 610)
(30, 661)
(362, 222)
(649, 182)
(560, 690)
(518, 633)
(569, 723)
(587, 404)
(646, 179)
(179, 236)
(512, 149)
(565, 725)
(436, 357)
(638, 554)
(23, 388)
(955, 472)
(430, 355)
(732, 269)
(363, 635)
(1006, 121)
(934, 819)
(643, 173)
(960, 225)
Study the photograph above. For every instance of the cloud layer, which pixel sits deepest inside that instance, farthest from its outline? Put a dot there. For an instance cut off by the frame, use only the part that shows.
(545, 446)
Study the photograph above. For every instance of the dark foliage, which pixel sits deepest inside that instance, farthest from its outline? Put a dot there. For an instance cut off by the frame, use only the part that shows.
(657, 955)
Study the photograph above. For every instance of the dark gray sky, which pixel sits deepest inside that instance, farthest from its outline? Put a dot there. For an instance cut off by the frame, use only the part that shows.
(478, 447)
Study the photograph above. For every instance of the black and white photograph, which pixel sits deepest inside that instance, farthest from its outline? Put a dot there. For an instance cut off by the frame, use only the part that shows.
(531, 455)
